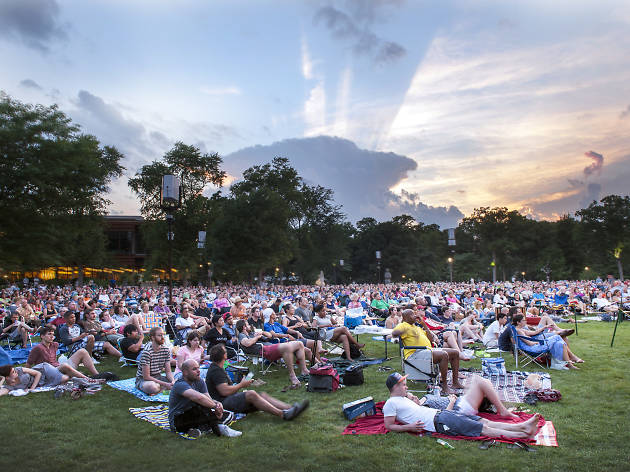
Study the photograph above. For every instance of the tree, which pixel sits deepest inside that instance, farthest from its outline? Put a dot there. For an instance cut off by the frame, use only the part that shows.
(607, 226)
(53, 180)
(196, 171)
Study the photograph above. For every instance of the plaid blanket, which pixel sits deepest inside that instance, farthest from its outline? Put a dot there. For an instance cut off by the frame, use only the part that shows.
(510, 387)
(158, 416)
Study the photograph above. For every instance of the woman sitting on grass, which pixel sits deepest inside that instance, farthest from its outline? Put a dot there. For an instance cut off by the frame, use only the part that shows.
(192, 350)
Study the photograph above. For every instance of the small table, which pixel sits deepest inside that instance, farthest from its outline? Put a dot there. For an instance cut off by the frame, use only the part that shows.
(374, 330)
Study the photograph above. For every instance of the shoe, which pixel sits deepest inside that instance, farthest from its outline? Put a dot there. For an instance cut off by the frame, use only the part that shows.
(194, 433)
(301, 406)
(229, 432)
(291, 413)
(258, 383)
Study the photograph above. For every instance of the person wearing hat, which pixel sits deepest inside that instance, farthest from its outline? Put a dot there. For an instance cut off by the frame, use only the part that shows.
(404, 407)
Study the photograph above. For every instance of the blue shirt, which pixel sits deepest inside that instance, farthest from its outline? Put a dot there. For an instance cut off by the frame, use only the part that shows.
(276, 328)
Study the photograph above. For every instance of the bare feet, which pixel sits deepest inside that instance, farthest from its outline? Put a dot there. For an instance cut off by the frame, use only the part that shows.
(571, 366)
(360, 346)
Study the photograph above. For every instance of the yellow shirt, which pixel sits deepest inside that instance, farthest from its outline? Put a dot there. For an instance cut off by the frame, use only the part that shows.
(412, 335)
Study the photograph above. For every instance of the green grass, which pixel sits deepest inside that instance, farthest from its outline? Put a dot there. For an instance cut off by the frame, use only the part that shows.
(98, 432)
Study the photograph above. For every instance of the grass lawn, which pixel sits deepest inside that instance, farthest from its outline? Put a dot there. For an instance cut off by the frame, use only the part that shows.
(98, 432)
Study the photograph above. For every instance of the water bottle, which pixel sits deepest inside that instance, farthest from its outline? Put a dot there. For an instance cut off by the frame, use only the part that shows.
(441, 442)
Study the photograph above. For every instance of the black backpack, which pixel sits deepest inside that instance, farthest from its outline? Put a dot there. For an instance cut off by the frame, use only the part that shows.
(353, 375)
(355, 352)
(505, 339)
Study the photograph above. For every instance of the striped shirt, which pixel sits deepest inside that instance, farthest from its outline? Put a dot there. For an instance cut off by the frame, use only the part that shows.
(156, 360)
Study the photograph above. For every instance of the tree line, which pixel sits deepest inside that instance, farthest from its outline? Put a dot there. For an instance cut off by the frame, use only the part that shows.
(270, 225)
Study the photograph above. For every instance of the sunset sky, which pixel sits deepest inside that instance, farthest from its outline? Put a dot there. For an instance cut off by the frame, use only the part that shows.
(430, 108)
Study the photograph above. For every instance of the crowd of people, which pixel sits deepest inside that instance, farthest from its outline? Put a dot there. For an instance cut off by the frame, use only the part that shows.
(209, 325)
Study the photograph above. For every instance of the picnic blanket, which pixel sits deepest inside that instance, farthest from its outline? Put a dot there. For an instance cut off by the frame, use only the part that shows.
(158, 416)
(129, 386)
(19, 356)
(374, 424)
(510, 387)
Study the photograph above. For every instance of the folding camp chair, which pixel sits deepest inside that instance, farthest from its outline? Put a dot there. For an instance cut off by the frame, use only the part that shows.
(522, 348)
(419, 366)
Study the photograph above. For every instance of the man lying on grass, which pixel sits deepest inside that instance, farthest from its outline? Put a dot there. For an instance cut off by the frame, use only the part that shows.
(406, 408)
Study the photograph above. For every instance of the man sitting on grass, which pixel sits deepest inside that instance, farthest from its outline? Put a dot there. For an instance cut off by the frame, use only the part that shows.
(131, 344)
(46, 351)
(405, 408)
(190, 408)
(75, 338)
(221, 389)
(154, 366)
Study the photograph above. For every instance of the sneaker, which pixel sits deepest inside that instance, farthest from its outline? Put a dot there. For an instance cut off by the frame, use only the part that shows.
(194, 433)
(301, 406)
(229, 432)
(289, 414)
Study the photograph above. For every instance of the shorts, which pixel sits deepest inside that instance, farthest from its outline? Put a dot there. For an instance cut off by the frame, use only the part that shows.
(140, 382)
(462, 406)
(271, 352)
(98, 347)
(51, 376)
(238, 403)
(454, 423)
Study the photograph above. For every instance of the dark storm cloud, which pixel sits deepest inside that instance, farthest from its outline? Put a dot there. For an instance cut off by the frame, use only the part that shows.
(356, 31)
(361, 179)
(34, 22)
(29, 83)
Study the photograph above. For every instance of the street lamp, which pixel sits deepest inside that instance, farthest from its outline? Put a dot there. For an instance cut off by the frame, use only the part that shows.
(378, 266)
(523, 276)
(450, 266)
(170, 200)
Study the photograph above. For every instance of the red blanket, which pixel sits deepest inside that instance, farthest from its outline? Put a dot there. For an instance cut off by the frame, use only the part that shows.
(374, 424)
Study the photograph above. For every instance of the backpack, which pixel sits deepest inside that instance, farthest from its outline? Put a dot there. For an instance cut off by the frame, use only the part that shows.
(505, 340)
(355, 352)
(323, 378)
(353, 375)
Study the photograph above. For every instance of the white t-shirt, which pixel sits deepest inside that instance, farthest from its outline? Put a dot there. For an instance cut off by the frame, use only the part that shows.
(182, 323)
(492, 332)
(406, 411)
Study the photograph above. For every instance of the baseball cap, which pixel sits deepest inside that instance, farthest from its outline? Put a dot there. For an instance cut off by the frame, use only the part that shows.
(393, 379)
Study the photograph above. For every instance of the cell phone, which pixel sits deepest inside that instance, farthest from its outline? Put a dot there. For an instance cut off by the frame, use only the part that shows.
(249, 376)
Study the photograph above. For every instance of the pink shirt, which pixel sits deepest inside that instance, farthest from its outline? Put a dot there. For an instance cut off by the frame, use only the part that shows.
(184, 353)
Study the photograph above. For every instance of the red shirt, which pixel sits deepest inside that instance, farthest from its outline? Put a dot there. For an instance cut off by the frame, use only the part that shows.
(41, 354)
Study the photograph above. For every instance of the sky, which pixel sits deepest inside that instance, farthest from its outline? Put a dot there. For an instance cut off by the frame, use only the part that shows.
(426, 108)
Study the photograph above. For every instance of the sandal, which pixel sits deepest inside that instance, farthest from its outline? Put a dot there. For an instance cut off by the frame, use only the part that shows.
(521, 445)
(488, 444)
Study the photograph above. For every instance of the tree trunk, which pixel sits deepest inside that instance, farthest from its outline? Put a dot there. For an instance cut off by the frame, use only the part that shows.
(620, 268)
(494, 268)
(260, 276)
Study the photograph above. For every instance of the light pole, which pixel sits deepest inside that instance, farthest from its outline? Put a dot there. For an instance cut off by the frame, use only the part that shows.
(378, 266)
(450, 267)
(170, 200)
(523, 276)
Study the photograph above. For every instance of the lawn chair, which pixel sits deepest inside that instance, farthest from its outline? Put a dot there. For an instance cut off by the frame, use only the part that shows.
(419, 367)
(521, 348)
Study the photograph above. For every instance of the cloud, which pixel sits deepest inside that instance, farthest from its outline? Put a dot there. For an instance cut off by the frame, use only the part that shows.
(307, 62)
(591, 194)
(357, 32)
(361, 179)
(34, 22)
(29, 83)
(625, 114)
(315, 110)
(221, 91)
(596, 165)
